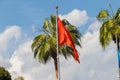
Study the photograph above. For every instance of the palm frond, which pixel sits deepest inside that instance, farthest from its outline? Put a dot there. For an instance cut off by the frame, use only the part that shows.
(117, 16)
(106, 33)
(44, 45)
(37, 41)
(103, 15)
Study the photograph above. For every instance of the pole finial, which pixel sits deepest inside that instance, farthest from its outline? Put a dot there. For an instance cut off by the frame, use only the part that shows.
(56, 7)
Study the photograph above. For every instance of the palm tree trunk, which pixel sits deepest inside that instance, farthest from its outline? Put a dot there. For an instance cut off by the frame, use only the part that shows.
(117, 43)
(56, 67)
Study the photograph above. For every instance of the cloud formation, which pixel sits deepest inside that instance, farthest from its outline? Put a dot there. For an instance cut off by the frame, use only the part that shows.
(23, 63)
(8, 38)
(11, 33)
(76, 17)
(96, 63)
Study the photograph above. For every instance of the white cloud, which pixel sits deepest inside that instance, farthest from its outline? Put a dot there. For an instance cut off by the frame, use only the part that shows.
(92, 73)
(19, 58)
(7, 37)
(16, 63)
(94, 26)
(76, 17)
(4, 62)
(24, 64)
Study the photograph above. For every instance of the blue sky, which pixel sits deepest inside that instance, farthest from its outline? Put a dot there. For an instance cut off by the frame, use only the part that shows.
(26, 12)
(32, 12)
(19, 24)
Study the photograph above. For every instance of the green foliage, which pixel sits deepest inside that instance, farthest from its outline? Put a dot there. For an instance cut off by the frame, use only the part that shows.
(105, 33)
(4, 74)
(103, 15)
(110, 27)
(44, 44)
(117, 17)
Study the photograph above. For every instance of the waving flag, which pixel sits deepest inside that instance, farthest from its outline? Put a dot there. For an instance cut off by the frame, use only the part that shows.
(64, 37)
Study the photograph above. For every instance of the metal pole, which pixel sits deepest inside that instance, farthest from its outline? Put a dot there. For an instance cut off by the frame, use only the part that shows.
(58, 63)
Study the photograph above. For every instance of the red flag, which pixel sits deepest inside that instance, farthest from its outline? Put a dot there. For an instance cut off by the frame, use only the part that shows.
(64, 37)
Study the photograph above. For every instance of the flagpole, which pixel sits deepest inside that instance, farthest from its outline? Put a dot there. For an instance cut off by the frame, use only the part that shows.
(58, 63)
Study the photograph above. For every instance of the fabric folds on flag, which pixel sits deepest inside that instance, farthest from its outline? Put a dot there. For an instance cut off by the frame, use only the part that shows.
(64, 37)
(119, 57)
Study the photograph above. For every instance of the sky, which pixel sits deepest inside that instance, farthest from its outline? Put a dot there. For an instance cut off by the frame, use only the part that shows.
(21, 21)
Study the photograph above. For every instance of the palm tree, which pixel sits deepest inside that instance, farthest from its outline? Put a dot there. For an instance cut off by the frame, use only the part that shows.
(110, 29)
(44, 44)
